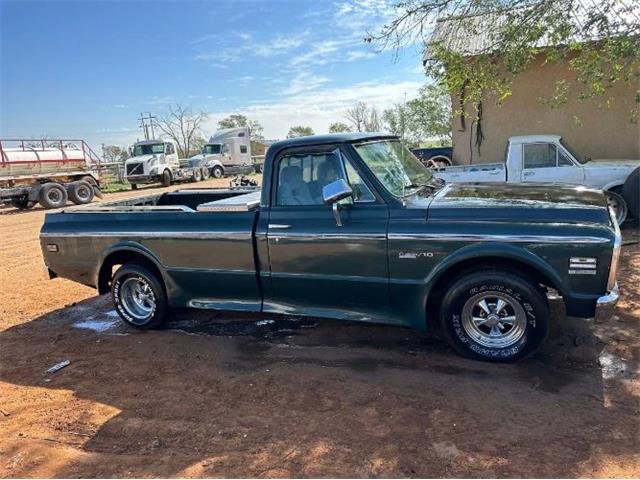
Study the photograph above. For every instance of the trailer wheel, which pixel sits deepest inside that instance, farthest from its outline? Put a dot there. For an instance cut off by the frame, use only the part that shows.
(206, 174)
(53, 195)
(80, 192)
(217, 171)
(166, 178)
(22, 203)
(197, 175)
(134, 186)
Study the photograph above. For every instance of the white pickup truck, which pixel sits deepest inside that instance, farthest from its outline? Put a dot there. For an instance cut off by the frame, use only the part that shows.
(547, 159)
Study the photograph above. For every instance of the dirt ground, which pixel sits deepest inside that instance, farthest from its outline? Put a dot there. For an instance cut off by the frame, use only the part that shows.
(221, 395)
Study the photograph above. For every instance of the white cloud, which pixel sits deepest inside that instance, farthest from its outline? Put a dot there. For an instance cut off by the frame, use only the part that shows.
(318, 107)
(303, 82)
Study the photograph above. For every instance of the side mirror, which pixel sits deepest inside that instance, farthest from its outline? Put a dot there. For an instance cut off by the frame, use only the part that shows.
(333, 193)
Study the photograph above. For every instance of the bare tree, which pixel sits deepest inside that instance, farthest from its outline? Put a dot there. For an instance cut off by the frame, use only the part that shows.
(356, 115)
(182, 125)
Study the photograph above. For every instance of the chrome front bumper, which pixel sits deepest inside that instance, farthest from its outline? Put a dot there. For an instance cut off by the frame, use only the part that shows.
(611, 298)
(606, 303)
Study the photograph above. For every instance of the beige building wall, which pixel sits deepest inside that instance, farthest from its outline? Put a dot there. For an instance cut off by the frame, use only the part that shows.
(605, 132)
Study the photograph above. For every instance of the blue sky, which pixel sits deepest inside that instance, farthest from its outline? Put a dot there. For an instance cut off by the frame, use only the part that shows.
(86, 69)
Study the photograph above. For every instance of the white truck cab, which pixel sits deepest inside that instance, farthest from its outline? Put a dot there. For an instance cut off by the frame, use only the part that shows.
(152, 161)
(228, 152)
(547, 159)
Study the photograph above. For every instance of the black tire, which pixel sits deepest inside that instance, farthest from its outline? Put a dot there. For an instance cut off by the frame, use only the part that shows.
(22, 202)
(134, 186)
(526, 307)
(631, 193)
(166, 178)
(217, 172)
(146, 311)
(80, 192)
(197, 175)
(205, 173)
(90, 180)
(53, 195)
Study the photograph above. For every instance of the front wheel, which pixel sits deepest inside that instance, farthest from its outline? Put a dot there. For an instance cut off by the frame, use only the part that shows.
(494, 316)
(139, 297)
(166, 178)
(618, 204)
(217, 172)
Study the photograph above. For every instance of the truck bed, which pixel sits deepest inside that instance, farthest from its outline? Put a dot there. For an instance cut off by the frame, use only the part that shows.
(201, 200)
(483, 172)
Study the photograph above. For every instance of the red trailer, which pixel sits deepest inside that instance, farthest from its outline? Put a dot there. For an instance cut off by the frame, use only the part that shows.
(48, 172)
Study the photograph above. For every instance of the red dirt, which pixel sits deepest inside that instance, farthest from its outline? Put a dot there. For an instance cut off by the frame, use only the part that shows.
(220, 395)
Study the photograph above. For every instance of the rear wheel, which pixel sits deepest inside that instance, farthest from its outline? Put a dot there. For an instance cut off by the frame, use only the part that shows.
(80, 192)
(206, 174)
(495, 316)
(631, 192)
(134, 186)
(139, 297)
(197, 175)
(217, 171)
(618, 204)
(53, 195)
(166, 178)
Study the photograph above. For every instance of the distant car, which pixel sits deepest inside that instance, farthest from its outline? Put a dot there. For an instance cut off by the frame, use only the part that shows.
(434, 157)
(547, 159)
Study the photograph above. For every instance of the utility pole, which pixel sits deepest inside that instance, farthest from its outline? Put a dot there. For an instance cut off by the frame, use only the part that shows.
(146, 124)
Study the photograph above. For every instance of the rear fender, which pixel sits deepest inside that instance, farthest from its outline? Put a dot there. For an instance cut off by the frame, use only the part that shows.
(129, 247)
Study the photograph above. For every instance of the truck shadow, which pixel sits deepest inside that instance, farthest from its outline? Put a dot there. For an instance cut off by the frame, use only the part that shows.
(249, 395)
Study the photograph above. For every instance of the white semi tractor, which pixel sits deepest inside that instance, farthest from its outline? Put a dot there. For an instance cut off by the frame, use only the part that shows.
(228, 152)
(156, 161)
(48, 172)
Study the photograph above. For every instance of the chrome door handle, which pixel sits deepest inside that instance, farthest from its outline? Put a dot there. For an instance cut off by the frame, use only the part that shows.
(278, 226)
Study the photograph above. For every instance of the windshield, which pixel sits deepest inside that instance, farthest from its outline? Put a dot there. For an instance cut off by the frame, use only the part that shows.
(396, 167)
(211, 149)
(572, 152)
(148, 149)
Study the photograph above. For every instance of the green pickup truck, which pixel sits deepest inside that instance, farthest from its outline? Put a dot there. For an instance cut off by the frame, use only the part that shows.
(352, 226)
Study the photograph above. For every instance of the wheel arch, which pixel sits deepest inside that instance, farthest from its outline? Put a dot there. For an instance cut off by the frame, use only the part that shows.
(474, 258)
(122, 254)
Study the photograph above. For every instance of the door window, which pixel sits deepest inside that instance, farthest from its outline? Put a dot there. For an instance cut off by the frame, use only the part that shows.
(564, 160)
(302, 177)
(243, 149)
(539, 155)
(170, 149)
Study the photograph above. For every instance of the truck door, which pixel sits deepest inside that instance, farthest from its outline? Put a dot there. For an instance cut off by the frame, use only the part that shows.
(548, 163)
(317, 266)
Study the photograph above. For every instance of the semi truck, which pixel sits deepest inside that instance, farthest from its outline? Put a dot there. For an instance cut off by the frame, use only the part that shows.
(48, 172)
(156, 161)
(228, 152)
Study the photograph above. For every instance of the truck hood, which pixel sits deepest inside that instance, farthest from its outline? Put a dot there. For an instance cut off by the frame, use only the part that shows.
(612, 163)
(519, 202)
(141, 158)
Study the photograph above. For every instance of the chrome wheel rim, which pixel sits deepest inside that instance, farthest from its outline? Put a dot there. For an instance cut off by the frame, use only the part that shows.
(494, 319)
(138, 299)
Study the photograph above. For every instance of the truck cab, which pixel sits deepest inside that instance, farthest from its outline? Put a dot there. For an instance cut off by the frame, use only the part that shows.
(152, 161)
(228, 152)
